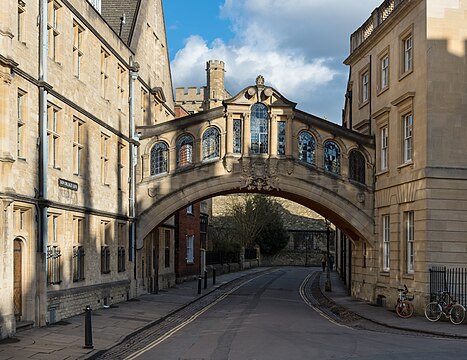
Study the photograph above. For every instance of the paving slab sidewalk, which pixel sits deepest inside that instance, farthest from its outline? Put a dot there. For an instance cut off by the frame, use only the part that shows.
(388, 317)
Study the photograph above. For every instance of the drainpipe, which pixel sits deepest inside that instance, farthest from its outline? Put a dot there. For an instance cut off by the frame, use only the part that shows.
(370, 80)
(43, 148)
(134, 68)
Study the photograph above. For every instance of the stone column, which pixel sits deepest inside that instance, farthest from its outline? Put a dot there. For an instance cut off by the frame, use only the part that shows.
(173, 158)
(229, 134)
(273, 135)
(246, 134)
(288, 136)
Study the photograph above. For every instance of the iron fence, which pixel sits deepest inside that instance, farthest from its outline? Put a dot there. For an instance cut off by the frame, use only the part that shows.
(452, 280)
(251, 254)
(221, 257)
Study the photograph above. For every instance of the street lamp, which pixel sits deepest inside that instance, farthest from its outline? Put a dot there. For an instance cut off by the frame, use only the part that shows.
(327, 284)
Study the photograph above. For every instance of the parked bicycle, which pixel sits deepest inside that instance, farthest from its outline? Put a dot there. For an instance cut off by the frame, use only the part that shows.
(404, 307)
(447, 306)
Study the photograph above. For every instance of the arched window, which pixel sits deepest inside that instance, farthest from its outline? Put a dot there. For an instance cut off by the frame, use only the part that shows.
(332, 157)
(259, 129)
(159, 156)
(184, 151)
(306, 148)
(357, 166)
(211, 140)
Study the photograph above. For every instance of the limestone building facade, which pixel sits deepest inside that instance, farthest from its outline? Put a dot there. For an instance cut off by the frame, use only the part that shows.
(407, 89)
(76, 78)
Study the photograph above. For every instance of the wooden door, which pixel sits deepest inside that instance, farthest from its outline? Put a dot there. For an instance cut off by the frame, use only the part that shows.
(18, 288)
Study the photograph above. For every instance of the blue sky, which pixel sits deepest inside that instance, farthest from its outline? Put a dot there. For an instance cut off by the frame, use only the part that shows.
(297, 45)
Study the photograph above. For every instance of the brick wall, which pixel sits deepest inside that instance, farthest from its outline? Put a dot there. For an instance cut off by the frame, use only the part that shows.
(186, 225)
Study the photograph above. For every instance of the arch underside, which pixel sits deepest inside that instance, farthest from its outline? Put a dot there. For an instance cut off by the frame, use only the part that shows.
(344, 204)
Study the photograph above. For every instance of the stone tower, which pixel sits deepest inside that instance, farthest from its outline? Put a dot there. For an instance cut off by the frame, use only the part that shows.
(215, 83)
(194, 99)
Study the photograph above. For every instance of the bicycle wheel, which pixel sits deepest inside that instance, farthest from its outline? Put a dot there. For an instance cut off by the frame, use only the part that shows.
(404, 309)
(433, 311)
(457, 314)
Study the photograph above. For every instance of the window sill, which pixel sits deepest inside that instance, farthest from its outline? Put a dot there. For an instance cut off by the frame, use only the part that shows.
(383, 90)
(207, 161)
(407, 73)
(357, 183)
(409, 276)
(363, 103)
(384, 273)
(155, 176)
(405, 165)
(383, 172)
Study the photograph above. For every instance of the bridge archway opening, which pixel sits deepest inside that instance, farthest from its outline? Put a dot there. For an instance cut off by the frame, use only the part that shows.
(345, 221)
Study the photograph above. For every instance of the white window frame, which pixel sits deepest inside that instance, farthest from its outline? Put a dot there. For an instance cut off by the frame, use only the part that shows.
(408, 53)
(384, 71)
(409, 238)
(408, 137)
(53, 136)
(365, 86)
(77, 146)
(78, 34)
(189, 209)
(384, 147)
(190, 249)
(386, 232)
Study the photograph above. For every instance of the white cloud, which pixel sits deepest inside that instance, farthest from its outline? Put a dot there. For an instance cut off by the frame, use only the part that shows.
(297, 45)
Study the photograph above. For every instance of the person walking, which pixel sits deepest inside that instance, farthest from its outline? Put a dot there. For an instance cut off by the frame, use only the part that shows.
(331, 262)
(323, 260)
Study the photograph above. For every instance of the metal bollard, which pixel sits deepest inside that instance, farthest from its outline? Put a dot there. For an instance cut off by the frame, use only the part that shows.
(205, 279)
(214, 276)
(88, 329)
(199, 284)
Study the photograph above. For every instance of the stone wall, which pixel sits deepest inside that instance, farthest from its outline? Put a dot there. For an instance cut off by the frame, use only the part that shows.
(63, 304)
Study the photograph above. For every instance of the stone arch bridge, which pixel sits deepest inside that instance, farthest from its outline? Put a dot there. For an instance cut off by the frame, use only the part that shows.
(257, 141)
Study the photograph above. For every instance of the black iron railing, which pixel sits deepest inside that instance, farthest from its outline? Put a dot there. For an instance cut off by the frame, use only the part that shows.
(221, 257)
(453, 280)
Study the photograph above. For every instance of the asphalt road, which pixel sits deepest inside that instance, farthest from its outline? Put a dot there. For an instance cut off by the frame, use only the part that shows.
(268, 318)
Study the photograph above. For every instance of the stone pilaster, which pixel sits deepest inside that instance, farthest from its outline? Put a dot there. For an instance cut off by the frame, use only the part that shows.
(246, 134)
(273, 134)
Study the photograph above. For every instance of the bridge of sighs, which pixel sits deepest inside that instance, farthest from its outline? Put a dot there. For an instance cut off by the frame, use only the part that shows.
(257, 141)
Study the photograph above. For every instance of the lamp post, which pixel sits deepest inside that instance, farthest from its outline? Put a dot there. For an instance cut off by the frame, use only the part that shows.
(327, 284)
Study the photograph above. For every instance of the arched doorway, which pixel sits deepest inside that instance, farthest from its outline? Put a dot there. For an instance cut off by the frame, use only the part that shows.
(18, 279)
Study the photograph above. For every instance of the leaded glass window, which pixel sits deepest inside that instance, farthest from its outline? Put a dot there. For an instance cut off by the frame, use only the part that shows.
(159, 157)
(259, 129)
(184, 151)
(211, 139)
(281, 138)
(357, 166)
(332, 157)
(237, 138)
(306, 148)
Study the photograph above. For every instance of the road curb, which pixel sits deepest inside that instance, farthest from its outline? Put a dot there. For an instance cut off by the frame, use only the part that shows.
(424, 331)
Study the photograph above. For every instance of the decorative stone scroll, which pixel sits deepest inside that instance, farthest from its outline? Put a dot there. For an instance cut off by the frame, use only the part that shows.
(259, 175)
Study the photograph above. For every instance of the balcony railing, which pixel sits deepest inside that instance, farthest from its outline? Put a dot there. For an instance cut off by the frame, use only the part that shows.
(378, 16)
